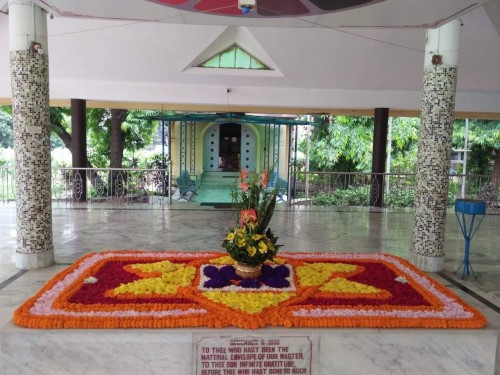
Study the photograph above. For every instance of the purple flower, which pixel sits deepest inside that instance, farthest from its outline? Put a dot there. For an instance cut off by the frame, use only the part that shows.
(277, 282)
(211, 271)
(229, 272)
(273, 277)
(250, 283)
(217, 282)
(278, 271)
(218, 278)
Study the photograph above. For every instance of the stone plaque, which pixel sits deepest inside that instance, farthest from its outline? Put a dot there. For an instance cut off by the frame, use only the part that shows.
(253, 355)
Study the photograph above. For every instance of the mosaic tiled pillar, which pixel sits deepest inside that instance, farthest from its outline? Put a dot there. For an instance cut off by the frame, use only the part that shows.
(30, 113)
(434, 151)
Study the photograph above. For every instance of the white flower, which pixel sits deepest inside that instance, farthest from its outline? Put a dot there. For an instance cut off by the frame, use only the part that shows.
(401, 279)
(90, 280)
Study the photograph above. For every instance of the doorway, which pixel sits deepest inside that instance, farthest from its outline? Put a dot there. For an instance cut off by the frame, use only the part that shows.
(229, 147)
(236, 143)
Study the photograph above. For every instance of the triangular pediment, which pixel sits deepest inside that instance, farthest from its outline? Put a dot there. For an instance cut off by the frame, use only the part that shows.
(234, 51)
(234, 57)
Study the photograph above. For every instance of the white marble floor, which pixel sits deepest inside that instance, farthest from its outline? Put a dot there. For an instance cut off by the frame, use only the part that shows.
(80, 230)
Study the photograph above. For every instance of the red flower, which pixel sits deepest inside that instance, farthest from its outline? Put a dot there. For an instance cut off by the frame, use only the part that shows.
(244, 186)
(243, 175)
(264, 178)
(248, 216)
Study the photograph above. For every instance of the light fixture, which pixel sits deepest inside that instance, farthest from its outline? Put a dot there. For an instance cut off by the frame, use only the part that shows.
(246, 5)
(37, 48)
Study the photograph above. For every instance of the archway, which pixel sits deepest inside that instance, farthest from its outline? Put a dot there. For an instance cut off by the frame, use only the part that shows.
(229, 147)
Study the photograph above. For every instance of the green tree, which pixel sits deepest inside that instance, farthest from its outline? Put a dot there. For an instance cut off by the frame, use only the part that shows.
(345, 144)
(404, 144)
(341, 143)
(60, 126)
(6, 134)
(484, 146)
(112, 131)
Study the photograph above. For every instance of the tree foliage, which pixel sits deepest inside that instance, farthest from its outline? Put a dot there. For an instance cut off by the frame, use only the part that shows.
(341, 143)
(404, 144)
(137, 134)
(6, 133)
(483, 143)
(345, 144)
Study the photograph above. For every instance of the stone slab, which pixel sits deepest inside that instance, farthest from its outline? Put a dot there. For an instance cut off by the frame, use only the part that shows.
(171, 351)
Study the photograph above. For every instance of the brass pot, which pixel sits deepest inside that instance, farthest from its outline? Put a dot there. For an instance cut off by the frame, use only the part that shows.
(248, 271)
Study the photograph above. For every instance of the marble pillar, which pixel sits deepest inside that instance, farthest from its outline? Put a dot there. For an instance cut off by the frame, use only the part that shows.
(30, 113)
(434, 151)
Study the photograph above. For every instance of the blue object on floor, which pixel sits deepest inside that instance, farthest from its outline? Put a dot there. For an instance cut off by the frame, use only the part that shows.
(471, 208)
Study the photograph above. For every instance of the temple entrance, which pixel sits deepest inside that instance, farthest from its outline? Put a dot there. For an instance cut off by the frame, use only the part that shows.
(229, 147)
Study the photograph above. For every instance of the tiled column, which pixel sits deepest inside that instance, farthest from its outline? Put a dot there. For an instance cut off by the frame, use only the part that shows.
(434, 151)
(30, 112)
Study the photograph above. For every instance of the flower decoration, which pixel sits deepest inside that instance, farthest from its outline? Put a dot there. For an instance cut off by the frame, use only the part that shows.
(193, 289)
(252, 242)
(225, 278)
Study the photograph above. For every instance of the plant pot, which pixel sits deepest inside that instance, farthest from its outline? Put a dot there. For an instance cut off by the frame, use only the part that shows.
(248, 271)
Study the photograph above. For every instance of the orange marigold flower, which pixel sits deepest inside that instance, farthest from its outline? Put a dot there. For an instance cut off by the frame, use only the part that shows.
(248, 216)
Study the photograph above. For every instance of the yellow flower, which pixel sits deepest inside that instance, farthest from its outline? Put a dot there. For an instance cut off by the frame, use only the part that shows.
(242, 242)
(230, 236)
(251, 250)
(262, 247)
(256, 237)
(173, 276)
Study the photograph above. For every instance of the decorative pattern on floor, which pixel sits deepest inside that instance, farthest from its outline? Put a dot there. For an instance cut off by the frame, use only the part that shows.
(143, 289)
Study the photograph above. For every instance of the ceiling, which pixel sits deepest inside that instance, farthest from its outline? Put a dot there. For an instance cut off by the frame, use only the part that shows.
(145, 52)
(290, 13)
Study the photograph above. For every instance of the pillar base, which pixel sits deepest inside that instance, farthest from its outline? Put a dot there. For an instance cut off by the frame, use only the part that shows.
(427, 263)
(31, 261)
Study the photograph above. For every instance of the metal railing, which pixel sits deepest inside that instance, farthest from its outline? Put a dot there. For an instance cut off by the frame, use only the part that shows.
(7, 184)
(154, 187)
(100, 185)
(355, 189)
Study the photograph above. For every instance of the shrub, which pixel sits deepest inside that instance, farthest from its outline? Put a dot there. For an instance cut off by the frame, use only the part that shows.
(360, 196)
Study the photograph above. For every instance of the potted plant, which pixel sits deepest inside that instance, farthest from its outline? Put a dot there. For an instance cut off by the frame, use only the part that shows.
(250, 243)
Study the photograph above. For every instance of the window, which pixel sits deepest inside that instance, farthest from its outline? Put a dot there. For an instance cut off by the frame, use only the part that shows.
(234, 57)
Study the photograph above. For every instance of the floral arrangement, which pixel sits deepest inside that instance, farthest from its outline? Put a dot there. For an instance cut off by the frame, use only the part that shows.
(252, 242)
(165, 289)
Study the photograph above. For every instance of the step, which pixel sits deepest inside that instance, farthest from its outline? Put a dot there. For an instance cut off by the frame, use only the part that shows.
(215, 185)
(221, 174)
(217, 179)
